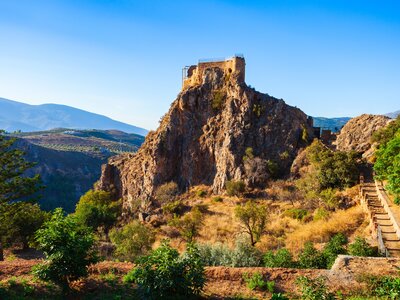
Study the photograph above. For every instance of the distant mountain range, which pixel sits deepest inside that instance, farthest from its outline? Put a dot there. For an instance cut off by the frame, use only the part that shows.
(393, 115)
(25, 117)
(334, 124)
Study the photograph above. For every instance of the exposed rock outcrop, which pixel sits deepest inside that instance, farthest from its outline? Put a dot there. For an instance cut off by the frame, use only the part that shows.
(203, 137)
(356, 134)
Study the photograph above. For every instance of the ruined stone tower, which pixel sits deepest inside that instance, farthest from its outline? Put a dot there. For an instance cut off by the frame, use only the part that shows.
(232, 66)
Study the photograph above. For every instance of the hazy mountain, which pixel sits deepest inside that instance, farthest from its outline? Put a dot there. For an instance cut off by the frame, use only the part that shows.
(20, 116)
(334, 124)
(393, 115)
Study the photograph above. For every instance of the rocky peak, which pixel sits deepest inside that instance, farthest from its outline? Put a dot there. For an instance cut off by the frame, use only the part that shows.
(203, 138)
(356, 134)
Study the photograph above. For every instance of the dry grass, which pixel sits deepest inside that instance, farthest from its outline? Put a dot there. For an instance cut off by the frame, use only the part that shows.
(221, 226)
(346, 221)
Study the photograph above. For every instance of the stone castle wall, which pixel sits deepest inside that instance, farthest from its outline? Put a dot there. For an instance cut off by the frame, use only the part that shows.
(232, 66)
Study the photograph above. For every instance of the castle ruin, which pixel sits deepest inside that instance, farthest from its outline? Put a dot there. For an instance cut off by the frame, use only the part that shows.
(193, 75)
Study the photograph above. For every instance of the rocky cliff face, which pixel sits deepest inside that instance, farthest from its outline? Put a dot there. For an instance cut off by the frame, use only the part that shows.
(356, 134)
(203, 137)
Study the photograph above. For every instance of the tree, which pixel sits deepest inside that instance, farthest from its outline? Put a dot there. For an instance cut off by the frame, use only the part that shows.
(96, 209)
(189, 225)
(19, 222)
(387, 165)
(253, 219)
(131, 241)
(69, 249)
(165, 275)
(13, 185)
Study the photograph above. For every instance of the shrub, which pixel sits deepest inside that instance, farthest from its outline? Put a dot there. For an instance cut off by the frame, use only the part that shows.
(253, 219)
(173, 208)
(217, 199)
(314, 289)
(321, 214)
(243, 255)
(360, 247)
(282, 258)
(296, 213)
(68, 247)
(329, 198)
(311, 258)
(165, 275)
(248, 154)
(216, 255)
(189, 225)
(256, 281)
(131, 241)
(278, 296)
(96, 209)
(333, 248)
(235, 188)
(201, 193)
(167, 192)
(217, 100)
(387, 287)
(339, 170)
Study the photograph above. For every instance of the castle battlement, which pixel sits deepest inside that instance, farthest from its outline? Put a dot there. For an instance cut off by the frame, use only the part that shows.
(193, 75)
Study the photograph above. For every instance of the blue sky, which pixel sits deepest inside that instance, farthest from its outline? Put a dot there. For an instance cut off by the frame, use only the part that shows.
(123, 58)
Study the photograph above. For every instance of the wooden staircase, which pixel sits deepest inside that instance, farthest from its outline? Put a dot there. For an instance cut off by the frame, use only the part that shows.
(384, 228)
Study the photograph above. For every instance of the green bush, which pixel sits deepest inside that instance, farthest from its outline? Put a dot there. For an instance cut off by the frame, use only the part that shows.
(296, 213)
(256, 281)
(311, 258)
(167, 192)
(68, 247)
(282, 258)
(165, 275)
(189, 225)
(314, 289)
(387, 287)
(360, 247)
(333, 248)
(173, 208)
(218, 100)
(321, 214)
(217, 199)
(243, 255)
(278, 296)
(235, 188)
(201, 193)
(329, 198)
(131, 241)
(96, 209)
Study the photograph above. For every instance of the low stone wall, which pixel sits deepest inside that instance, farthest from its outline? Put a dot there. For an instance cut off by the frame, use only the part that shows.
(385, 202)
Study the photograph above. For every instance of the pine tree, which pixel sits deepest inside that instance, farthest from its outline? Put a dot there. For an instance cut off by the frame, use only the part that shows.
(14, 186)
